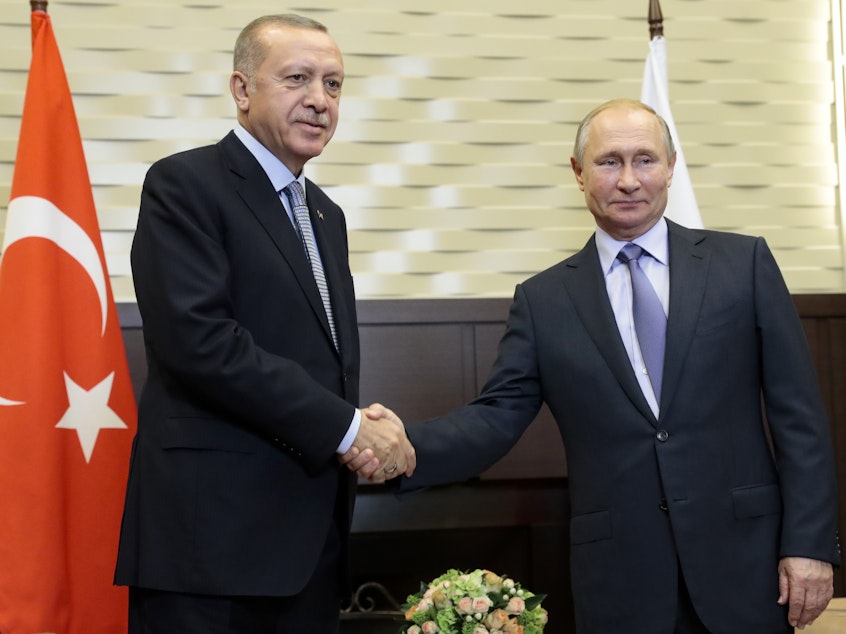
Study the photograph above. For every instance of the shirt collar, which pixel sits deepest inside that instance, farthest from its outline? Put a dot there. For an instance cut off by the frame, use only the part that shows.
(279, 175)
(654, 241)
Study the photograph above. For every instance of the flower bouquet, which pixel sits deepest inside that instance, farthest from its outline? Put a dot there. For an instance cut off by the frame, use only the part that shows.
(478, 602)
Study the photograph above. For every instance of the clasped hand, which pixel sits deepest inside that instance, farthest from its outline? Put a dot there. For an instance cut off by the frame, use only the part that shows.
(381, 449)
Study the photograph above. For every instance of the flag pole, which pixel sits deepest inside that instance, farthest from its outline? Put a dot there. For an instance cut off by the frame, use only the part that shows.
(681, 203)
(656, 20)
(38, 5)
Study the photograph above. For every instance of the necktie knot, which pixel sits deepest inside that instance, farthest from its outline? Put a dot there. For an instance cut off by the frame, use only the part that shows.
(629, 252)
(295, 193)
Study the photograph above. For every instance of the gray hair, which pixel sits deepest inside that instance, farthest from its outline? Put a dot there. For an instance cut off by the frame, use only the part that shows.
(584, 127)
(250, 50)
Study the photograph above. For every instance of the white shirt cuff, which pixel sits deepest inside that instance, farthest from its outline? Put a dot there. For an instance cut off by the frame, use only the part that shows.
(352, 432)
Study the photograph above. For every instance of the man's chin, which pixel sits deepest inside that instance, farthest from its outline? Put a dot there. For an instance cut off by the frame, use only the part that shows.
(309, 150)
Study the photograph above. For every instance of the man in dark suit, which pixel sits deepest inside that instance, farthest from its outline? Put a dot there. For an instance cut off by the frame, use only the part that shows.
(684, 517)
(237, 510)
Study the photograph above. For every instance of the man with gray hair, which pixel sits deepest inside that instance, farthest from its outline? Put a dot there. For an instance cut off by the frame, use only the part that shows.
(237, 510)
(654, 348)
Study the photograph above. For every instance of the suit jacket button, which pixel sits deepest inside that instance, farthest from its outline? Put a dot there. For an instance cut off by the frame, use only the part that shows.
(662, 435)
(663, 505)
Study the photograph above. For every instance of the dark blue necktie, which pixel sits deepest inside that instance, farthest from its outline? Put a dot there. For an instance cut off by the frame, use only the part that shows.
(649, 319)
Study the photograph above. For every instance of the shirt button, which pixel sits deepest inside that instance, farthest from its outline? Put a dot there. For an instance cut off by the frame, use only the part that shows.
(662, 435)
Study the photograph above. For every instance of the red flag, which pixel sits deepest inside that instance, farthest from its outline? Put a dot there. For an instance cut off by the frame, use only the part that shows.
(67, 409)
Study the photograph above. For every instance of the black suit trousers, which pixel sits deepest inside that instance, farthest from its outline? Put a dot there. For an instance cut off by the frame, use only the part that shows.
(315, 610)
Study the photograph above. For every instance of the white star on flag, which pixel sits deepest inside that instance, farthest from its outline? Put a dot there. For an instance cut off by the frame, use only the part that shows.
(89, 412)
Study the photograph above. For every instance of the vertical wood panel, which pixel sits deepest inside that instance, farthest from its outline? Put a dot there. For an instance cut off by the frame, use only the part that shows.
(417, 371)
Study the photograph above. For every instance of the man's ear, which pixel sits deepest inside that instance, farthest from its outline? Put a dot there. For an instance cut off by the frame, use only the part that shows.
(672, 167)
(577, 170)
(238, 86)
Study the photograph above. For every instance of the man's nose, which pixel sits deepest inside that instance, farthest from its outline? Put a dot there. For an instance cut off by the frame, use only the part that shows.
(315, 96)
(628, 180)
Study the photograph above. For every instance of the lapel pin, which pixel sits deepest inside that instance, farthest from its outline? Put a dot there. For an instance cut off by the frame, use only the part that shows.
(320, 214)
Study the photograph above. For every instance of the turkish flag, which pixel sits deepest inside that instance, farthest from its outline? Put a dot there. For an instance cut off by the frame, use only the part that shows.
(67, 409)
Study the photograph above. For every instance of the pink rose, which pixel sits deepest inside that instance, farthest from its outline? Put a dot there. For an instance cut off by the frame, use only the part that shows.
(482, 604)
(430, 627)
(413, 630)
(480, 629)
(496, 619)
(465, 605)
(512, 628)
(516, 605)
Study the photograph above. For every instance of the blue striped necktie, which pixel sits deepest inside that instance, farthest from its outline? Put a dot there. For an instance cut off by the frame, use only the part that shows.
(302, 222)
(649, 318)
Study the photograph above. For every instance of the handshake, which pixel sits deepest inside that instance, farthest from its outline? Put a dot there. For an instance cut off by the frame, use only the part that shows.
(381, 449)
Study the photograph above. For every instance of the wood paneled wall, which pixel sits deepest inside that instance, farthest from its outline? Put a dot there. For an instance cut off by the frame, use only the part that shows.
(425, 357)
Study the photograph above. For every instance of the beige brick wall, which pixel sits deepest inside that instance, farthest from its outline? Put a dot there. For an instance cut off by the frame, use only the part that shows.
(457, 121)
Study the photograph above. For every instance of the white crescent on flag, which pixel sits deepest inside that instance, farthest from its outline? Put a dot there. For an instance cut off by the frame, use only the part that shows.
(34, 217)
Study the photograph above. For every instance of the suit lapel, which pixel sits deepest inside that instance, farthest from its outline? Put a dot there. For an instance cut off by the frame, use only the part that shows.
(585, 282)
(257, 193)
(689, 263)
